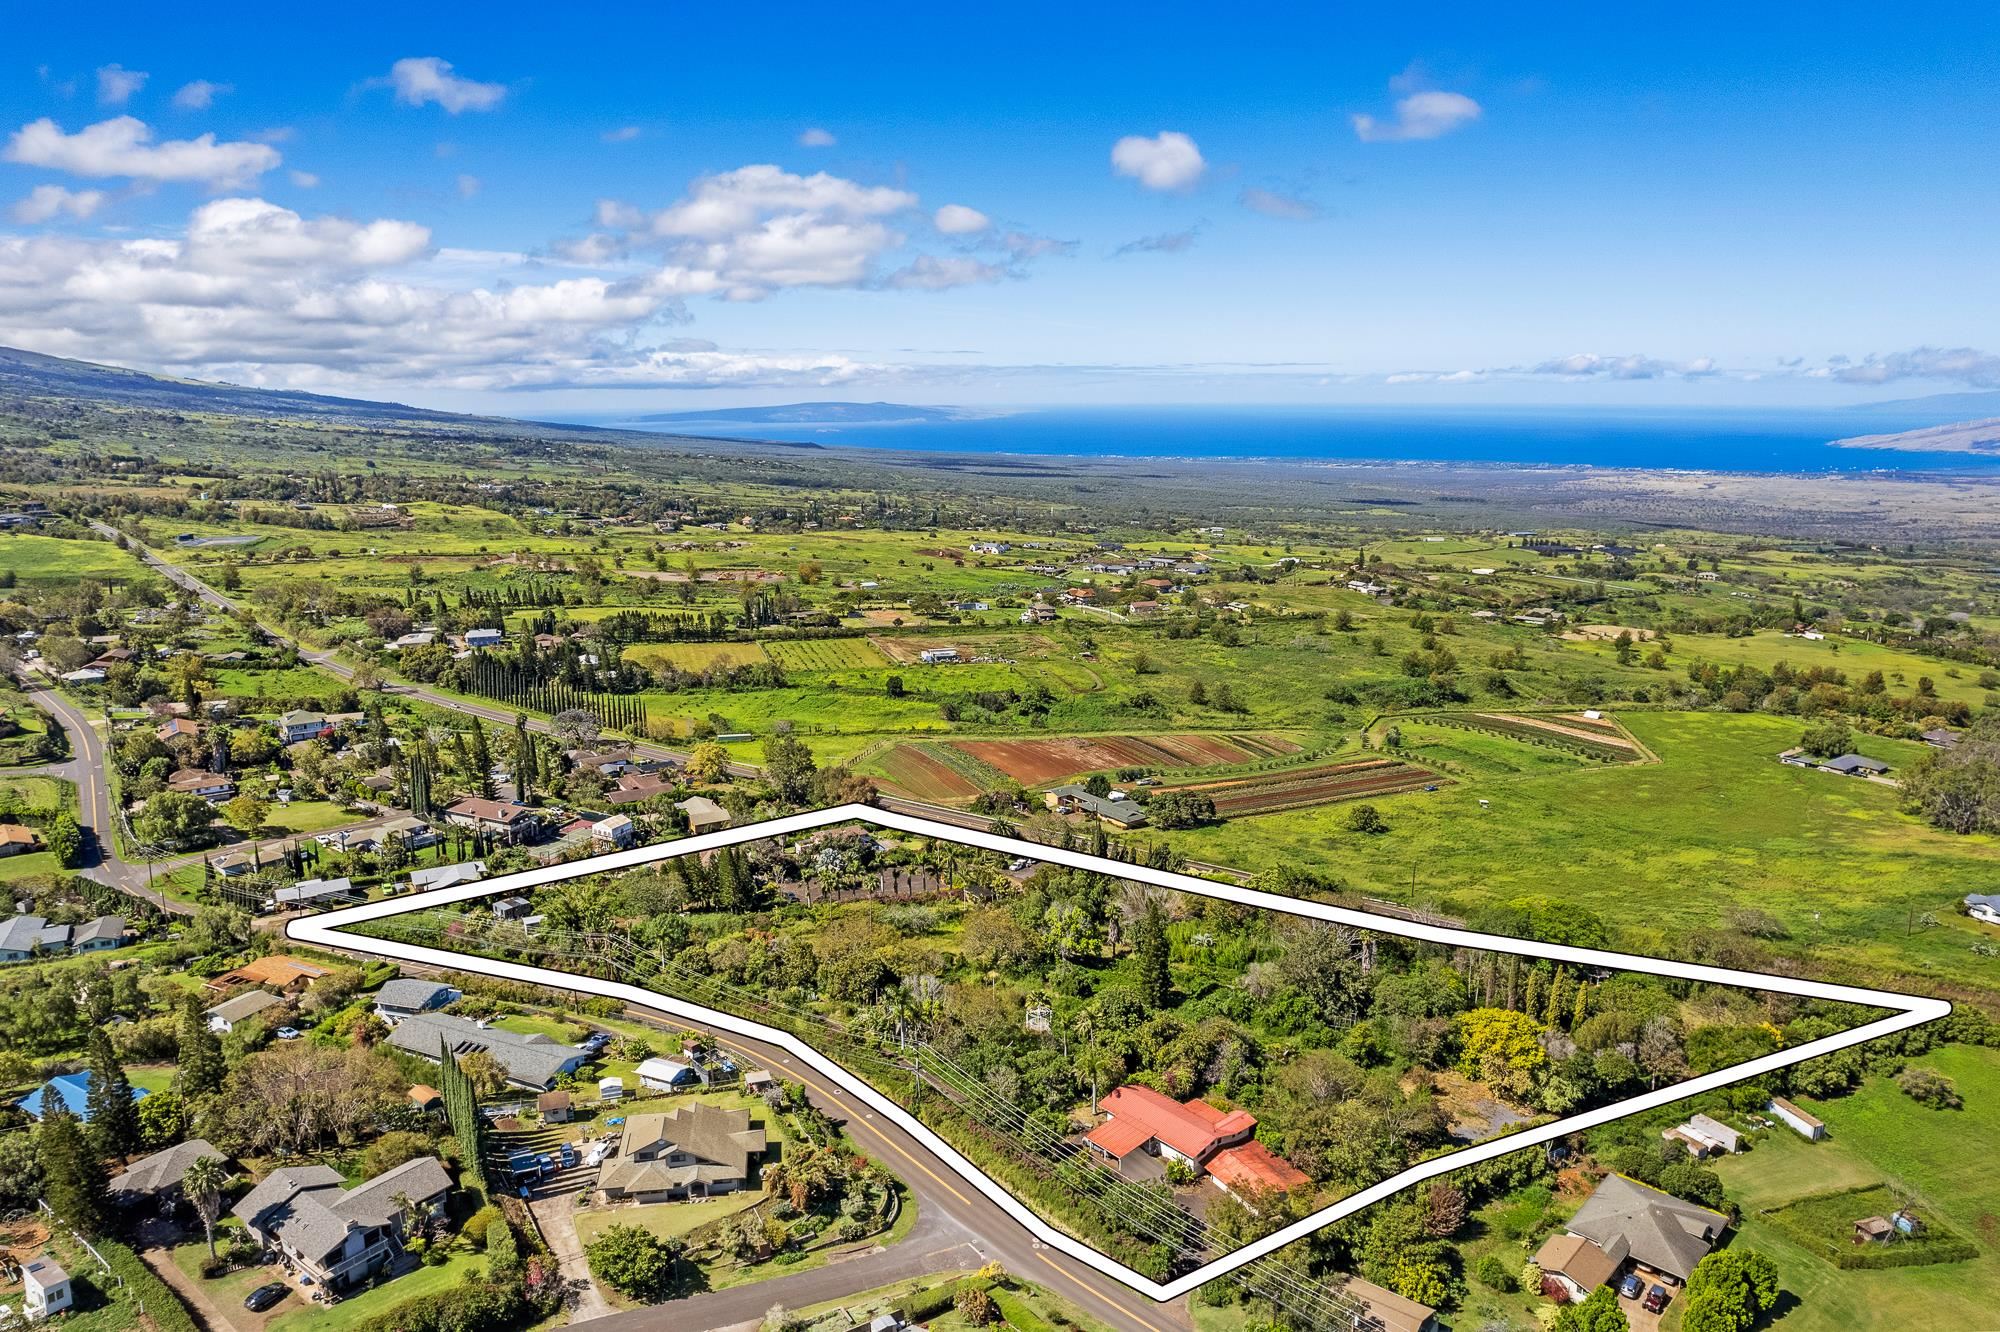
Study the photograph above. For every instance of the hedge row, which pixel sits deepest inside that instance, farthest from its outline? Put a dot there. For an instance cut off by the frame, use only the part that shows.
(162, 1305)
(474, 1306)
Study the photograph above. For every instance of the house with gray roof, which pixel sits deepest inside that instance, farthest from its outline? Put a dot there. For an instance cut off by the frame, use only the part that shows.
(97, 936)
(157, 1178)
(447, 876)
(341, 1237)
(24, 937)
(698, 1151)
(405, 997)
(530, 1062)
(1855, 765)
(1626, 1221)
(225, 1015)
(1077, 800)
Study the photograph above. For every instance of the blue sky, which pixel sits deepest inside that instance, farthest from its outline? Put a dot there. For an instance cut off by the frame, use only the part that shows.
(690, 207)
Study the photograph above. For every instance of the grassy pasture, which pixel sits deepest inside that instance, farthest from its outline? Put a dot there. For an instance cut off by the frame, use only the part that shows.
(695, 656)
(32, 558)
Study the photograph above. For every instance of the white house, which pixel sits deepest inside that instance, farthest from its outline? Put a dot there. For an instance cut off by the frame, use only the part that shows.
(658, 1074)
(483, 638)
(225, 1015)
(616, 831)
(87, 675)
(298, 725)
(1983, 906)
(938, 656)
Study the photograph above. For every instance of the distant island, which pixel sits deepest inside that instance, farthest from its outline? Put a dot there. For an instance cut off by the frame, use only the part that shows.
(819, 413)
(1981, 437)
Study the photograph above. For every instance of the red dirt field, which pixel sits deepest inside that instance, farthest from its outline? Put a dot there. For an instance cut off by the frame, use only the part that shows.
(1037, 762)
(1579, 729)
(924, 777)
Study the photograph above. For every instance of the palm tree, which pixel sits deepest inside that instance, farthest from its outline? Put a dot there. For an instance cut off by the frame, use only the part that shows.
(202, 1183)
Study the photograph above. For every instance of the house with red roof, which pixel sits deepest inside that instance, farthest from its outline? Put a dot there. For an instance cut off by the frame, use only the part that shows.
(1220, 1144)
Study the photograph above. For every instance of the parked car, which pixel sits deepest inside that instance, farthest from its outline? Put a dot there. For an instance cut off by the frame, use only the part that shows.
(1656, 1299)
(1632, 1287)
(265, 1296)
(288, 1033)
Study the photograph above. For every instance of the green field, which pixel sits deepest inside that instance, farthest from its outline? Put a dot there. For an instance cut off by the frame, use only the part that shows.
(1880, 1135)
(1717, 824)
(44, 559)
(695, 657)
(826, 654)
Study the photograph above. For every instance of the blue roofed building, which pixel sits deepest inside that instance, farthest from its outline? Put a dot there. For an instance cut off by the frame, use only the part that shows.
(74, 1091)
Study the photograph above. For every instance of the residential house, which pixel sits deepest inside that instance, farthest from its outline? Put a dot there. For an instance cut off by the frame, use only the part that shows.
(45, 1289)
(532, 1063)
(16, 839)
(1855, 765)
(225, 1015)
(210, 786)
(1940, 739)
(554, 1107)
(703, 814)
(298, 725)
(938, 656)
(308, 891)
(24, 937)
(1805, 1125)
(614, 832)
(698, 1151)
(157, 1178)
(236, 866)
(447, 876)
(72, 1089)
(1983, 906)
(1625, 1221)
(483, 638)
(98, 936)
(1144, 610)
(502, 818)
(607, 762)
(415, 638)
(426, 1098)
(1373, 1308)
(286, 975)
(1704, 1136)
(633, 787)
(86, 675)
(341, 1237)
(177, 728)
(1076, 800)
(658, 1074)
(405, 997)
(1221, 1144)
(412, 831)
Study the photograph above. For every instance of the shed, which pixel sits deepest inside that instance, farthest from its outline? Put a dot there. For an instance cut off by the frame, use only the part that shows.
(1798, 1120)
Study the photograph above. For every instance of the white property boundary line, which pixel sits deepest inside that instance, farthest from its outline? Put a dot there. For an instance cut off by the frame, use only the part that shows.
(325, 928)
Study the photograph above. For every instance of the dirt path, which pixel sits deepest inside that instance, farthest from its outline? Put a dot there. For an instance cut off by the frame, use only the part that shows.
(205, 1309)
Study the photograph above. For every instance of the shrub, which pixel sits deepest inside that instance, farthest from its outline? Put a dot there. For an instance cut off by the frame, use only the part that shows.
(479, 1223)
(1929, 1087)
(1493, 1274)
(634, 1260)
(975, 1306)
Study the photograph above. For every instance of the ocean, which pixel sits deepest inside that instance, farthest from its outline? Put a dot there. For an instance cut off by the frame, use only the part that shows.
(1743, 440)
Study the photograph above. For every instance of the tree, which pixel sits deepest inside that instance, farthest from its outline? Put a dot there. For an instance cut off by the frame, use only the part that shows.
(72, 1173)
(789, 768)
(577, 728)
(975, 1306)
(634, 1260)
(246, 813)
(174, 818)
(201, 1068)
(1827, 739)
(1927, 1086)
(1366, 819)
(1180, 809)
(202, 1184)
(65, 840)
(114, 1119)
(1728, 1291)
(708, 763)
(1500, 1047)
(487, 1076)
(1156, 980)
(1597, 1313)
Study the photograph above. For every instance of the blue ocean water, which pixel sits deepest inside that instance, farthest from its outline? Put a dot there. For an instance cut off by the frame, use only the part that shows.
(1740, 440)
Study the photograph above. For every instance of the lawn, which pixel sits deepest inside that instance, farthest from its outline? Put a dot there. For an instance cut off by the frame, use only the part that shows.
(308, 816)
(666, 1220)
(354, 1310)
(32, 558)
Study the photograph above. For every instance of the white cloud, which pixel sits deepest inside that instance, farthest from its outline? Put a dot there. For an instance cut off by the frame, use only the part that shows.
(230, 235)
(45, 201)
(1421, 115)
(1963, 365)
(123, 146)
(928, 272)
(1167, 161)
(1589, 365)
(1273, 204)
(817, 138)
(959, 220)
(421, 79)
(116, 84)
(468, 185)
(623, 134)
(200, 95)
(305, 180)
(1172, 242)
(619, 216)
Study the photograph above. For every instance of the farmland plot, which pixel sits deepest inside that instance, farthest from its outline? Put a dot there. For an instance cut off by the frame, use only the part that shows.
(1035, 762)
(1319, 784)
(825, 654)
(695, 656)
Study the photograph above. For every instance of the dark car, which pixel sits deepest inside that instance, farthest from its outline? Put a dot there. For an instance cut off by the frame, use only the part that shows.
(1631, 1287)
(1656, 1299)
(265, 1296)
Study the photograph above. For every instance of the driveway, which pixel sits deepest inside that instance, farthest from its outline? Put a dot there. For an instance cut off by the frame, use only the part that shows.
(555, 1215)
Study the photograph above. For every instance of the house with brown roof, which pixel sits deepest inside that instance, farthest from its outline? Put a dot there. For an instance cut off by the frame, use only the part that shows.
(633, 787)
(15, 839)
(210, 786)
(1624, 1221)
(1376, 1309)
(286, 975)
(177, 728)
(503, 818)
(698, 1151)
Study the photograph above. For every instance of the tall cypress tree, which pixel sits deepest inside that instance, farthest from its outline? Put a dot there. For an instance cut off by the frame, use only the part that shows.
(72, 1171)
(1156, 981)
(481, 759)
(201, 1065)
(114, 1119)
